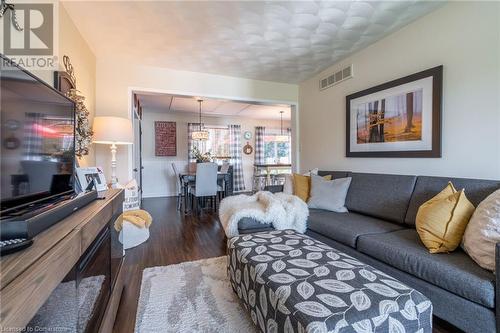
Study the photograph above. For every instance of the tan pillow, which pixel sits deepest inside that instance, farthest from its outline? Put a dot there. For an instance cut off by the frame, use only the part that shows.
(483, 232)
(442, 220)
(302, 185)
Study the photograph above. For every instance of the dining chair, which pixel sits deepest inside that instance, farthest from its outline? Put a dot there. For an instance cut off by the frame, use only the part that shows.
(178, 185)
(221, 185)
(205, 184)
(192, 167)
(224, 167)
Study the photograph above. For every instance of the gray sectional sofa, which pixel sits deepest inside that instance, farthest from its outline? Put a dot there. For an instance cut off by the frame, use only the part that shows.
(380, 230)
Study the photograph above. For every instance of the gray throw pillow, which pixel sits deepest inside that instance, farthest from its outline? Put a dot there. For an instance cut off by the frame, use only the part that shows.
(329, 194)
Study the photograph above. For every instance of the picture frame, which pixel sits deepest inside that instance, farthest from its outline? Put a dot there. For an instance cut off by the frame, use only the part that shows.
(86, 175)
(399, 118)
(165, 138)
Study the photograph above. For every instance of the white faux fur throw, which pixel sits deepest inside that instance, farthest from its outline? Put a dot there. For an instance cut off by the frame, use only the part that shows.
(283, 211)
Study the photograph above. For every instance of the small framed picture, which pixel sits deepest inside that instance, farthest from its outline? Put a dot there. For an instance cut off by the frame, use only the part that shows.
(86, 175)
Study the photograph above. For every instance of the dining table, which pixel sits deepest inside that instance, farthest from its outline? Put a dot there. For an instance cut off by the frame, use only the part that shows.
(188, 178)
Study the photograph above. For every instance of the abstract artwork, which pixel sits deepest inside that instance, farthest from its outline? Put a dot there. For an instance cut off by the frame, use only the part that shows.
(165, 138)
(401, 118)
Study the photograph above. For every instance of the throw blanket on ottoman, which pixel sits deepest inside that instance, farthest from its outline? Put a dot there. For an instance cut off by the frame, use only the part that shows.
(292, 283)
(282, 211)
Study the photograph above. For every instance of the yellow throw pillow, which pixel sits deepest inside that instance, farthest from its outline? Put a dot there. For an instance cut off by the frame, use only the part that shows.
(302, 185)
(442, 220)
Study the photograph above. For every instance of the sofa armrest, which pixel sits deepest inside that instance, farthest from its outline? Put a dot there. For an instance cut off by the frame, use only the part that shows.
(274, 188)
(497, 285)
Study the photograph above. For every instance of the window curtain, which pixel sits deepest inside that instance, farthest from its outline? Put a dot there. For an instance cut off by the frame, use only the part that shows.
(260, 131)
(235, 151)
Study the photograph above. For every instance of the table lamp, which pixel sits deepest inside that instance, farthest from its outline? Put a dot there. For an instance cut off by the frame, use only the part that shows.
(113, 131)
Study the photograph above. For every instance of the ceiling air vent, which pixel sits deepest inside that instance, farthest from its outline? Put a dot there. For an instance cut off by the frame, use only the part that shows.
(337, 77)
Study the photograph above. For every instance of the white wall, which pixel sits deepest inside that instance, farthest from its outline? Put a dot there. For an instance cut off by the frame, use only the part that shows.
(116, 80)
(158, 177)
(462, 36)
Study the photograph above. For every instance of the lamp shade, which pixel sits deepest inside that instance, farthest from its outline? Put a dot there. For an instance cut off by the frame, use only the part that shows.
(113, 130)
(200, 135)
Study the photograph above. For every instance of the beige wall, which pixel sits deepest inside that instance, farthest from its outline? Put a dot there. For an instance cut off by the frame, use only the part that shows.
(462, 36)
(116, 80)
(158, 177)
(72, 44)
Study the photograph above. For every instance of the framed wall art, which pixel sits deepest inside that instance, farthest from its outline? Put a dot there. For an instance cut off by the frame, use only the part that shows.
(400, 118)
(165, 138)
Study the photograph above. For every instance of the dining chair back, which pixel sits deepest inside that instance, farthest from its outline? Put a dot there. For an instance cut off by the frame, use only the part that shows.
(178, 186)
(177, 179)
(192, 167)
(206, 180)
(225, 167)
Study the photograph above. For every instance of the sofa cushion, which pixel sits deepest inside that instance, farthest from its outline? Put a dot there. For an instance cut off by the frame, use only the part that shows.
(426, 187)
(455, 272)
(346, 227)
(380, 195)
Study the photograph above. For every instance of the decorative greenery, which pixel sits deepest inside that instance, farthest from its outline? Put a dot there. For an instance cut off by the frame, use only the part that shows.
(84, 131)
(201, 157)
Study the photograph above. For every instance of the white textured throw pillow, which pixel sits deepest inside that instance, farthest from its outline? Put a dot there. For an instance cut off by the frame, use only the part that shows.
(288, 185)
(483, 232)
(329, 194)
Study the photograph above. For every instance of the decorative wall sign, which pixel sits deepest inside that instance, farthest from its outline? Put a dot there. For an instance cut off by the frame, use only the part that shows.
(400, 118)
(165, 138)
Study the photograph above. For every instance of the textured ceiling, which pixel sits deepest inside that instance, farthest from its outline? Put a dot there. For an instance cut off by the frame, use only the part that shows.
(212, 107)
(274, 41)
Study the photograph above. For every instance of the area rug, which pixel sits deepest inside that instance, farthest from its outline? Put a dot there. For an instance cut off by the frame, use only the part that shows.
(190, 297)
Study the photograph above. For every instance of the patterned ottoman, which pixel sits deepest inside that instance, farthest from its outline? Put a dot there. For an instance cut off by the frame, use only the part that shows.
(290, 282)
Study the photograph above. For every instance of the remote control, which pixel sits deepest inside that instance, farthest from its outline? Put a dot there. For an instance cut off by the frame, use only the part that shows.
(14, 245)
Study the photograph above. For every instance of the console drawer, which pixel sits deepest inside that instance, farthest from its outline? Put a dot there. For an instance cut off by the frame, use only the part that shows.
(92, 228)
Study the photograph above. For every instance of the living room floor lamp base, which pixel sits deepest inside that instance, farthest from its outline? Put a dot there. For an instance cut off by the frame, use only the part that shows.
(113, 131)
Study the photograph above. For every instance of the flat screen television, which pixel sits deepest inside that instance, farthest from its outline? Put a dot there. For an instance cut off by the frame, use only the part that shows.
(37, 151)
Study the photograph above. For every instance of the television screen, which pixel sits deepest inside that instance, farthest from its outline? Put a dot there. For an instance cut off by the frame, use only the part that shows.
(37, 134)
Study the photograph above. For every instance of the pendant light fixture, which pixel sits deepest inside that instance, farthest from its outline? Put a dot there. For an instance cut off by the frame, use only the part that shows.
(201, 134)
(282, 137)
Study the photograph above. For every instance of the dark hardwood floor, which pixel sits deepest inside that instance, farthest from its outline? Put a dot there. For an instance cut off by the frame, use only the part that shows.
(176, 238)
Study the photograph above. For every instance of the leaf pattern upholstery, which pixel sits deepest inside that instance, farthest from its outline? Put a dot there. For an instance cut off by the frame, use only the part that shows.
(289, 282)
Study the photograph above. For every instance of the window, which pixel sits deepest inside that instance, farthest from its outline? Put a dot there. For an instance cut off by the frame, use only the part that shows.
(217, 143)
(277, 148)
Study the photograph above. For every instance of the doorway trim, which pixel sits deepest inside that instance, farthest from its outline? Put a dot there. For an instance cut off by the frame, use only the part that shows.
(294, 117)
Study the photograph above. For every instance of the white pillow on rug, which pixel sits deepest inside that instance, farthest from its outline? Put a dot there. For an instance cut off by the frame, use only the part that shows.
(288, 184)
(329, 194)
(483, 232)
